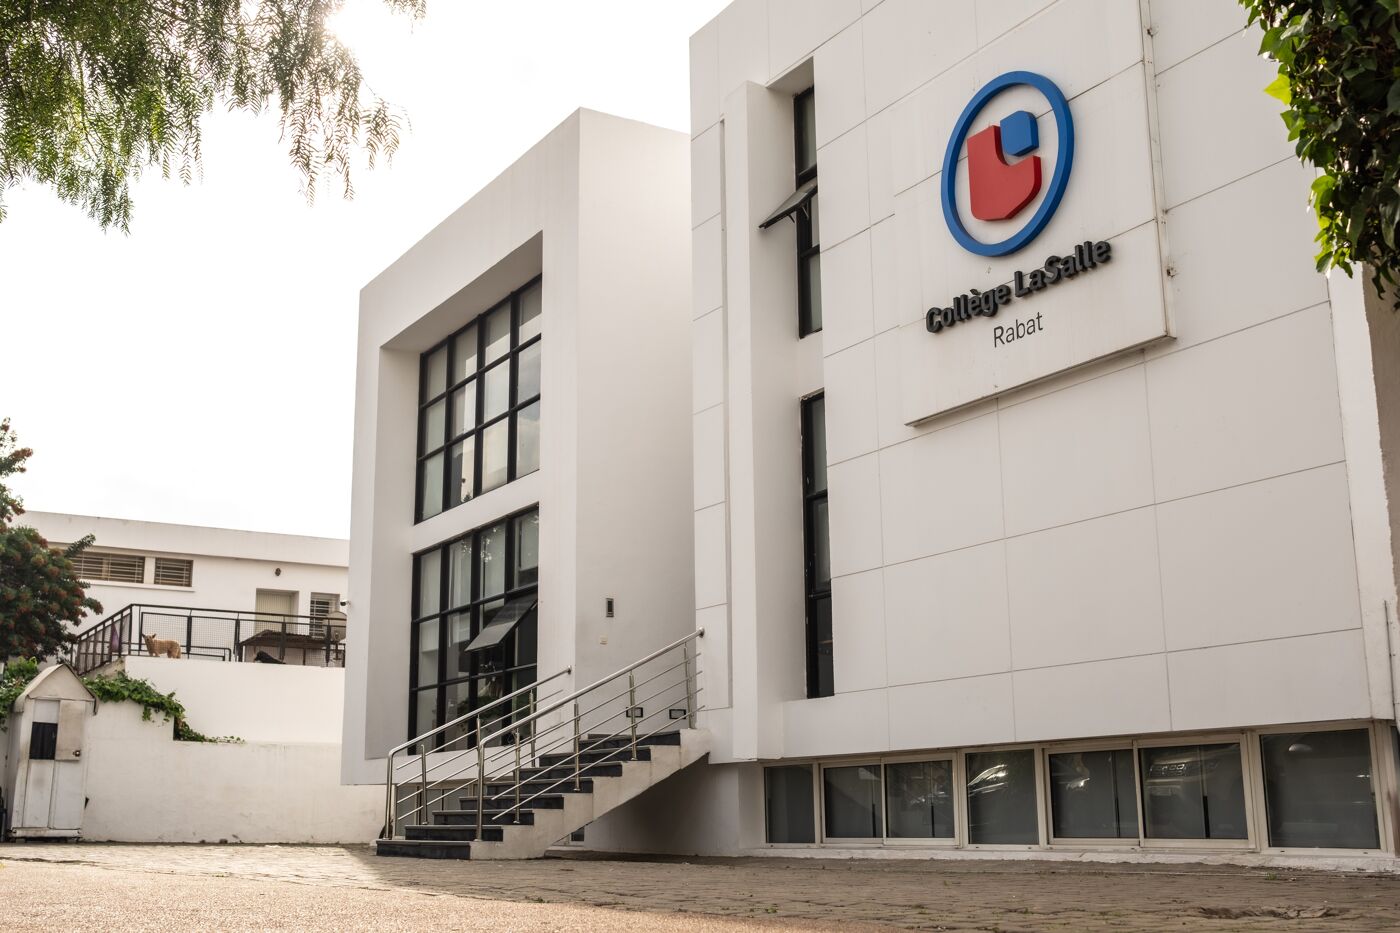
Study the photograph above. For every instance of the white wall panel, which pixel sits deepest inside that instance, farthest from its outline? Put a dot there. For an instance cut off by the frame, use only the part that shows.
(1254, 404)
(858, 631)
(844, 190)
(969, 711)
(946, 616)
(854, 503)
(1073, 700)
(707, 361)
(1106, 468)
(1085, 592)
(1258, 561)
(1181, 28)
(850, 398)
(1225, 282)
(942, 491)
(711, 557)
(709, 453)
(840, 75)
(1308, 679)
(797, 27)
(1219, 96)
(847, 303)
(907, 42)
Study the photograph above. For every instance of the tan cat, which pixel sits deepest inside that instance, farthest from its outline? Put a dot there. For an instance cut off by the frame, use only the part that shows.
(158, 646)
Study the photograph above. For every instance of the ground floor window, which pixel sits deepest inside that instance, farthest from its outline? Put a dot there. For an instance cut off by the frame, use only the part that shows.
(1318, 789)
(789, 804)
(1093, 795)
(1315, 788)
(1193, 792)
(919, 800)
(1001, 798)
(475, 624)
(852, 798)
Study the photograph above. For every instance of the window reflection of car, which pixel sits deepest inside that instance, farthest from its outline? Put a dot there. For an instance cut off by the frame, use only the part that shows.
(1170, 775)
(989, 781)
(1069, 771)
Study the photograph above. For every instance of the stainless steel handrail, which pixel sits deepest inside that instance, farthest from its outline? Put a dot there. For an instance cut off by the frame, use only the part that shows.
(390, 784)
(538, 713)
(560, 704)
(572, 700)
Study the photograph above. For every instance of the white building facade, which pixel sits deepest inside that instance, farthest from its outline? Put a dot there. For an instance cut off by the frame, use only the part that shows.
(1039, 501)
(522, 487)
(1036, 500)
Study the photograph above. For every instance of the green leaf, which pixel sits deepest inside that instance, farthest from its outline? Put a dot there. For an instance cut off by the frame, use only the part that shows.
(1280, 88)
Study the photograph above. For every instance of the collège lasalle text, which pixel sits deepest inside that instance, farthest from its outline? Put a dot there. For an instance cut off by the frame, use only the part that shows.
(1056, 269)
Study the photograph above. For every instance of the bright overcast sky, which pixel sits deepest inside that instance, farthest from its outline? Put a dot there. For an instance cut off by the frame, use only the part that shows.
(201, 369)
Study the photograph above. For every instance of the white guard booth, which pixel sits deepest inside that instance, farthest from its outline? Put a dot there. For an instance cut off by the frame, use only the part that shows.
(44, 775)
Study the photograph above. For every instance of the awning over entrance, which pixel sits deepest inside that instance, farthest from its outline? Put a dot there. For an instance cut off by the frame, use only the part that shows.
(503, 622)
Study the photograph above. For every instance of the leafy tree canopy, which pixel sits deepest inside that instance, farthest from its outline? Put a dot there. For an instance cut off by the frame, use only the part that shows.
(93, 91)
(1339, 77)
(40, 593)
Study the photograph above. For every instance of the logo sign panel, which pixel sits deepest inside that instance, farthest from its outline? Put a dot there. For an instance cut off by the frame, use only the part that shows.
(1000, 191)
(1006, 174)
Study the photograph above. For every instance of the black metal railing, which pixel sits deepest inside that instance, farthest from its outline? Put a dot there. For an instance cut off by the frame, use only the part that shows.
(212, 634)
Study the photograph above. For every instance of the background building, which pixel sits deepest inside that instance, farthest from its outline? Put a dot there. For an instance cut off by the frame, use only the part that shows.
(192, 566)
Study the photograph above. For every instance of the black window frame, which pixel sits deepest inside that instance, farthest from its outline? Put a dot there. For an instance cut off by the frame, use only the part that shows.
(817, 593)
(428, 397)
(475, 605)
(809, 315)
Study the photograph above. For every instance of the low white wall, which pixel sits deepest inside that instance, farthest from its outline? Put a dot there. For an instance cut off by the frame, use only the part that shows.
(143, 786)
(255, 702)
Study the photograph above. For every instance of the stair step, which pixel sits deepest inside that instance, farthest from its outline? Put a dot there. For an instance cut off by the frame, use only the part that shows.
(453, 833)
(559, 785)
(423, 848)
(596, 756)
(467, 817)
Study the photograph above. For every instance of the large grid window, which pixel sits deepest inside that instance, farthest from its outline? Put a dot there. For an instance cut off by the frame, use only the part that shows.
(809, 255)
(474, 622)
(817, 538)
(479, 405)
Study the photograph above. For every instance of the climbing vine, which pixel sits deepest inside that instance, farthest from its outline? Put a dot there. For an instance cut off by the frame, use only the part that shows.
(114, 689)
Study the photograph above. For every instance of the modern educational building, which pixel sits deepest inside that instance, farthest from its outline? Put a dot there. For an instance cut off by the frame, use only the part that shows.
(1038, 497)
(522, 494)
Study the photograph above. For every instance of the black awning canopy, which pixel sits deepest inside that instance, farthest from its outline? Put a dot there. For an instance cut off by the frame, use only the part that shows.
(795, 201)
(502, 623)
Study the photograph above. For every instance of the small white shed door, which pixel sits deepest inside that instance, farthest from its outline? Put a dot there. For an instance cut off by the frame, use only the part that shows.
(39, 772)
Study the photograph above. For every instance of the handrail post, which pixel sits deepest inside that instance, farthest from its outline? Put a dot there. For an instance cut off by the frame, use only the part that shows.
(631, 705)
(189, 632)
(534, 756)
(577, 762)
(423, 788)
(389, 796)
(517, 782)
(480, 779)
(689, 686)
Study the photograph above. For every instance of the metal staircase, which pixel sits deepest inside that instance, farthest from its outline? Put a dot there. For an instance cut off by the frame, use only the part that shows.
(522, 773)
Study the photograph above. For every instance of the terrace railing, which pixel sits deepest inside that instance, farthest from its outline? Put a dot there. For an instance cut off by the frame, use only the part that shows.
(213, 634)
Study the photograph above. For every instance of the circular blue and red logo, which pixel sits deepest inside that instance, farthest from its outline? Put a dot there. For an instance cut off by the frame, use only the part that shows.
(999, 191)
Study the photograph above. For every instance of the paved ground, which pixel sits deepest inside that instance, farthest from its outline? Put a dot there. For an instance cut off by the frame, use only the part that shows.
(105, 887)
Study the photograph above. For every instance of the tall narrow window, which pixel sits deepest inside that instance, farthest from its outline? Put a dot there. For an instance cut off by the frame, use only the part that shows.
(474, 611)
(479, 405)
(809, 283)
(817, 538)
